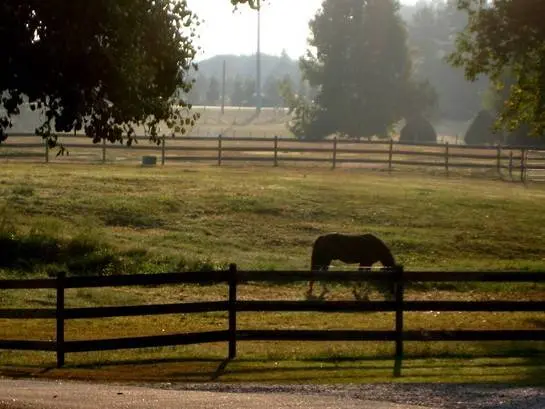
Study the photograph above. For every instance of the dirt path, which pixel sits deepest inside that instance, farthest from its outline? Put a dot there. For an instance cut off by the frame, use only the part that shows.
(29, 394)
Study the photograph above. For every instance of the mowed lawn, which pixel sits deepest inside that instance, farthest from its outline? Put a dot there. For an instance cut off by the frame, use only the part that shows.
(136, 219)
(268, 218)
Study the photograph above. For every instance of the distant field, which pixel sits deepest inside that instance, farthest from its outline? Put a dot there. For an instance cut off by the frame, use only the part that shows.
(243, 121)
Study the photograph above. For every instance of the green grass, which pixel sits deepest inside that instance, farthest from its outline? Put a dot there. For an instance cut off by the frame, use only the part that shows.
(169, 367)
(91, 219)
(268, 218)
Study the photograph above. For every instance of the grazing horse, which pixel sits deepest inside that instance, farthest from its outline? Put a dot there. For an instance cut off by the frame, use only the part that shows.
(364, 249)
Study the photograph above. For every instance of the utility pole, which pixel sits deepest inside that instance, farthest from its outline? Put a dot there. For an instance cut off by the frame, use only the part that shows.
(258, 55)
(223, 89)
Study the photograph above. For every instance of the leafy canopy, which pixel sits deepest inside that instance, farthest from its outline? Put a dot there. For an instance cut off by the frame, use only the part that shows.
(360, 63)
(104, 66)
(507, 36)
(432, 32)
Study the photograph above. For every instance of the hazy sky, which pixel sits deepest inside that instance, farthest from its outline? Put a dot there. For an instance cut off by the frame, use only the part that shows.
(284, 25)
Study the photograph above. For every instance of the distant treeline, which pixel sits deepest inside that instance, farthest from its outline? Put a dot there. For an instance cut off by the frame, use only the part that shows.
(431, 29)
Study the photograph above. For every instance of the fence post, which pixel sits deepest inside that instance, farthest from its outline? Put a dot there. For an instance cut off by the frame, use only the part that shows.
(511, 164)
(498, 159)
(232, 311)
(399, 292)
(103, 150)
(390, 154)
(526, 151)
(163, 151)
(60, 319)
(46, 151)
(275, 151)
(334, 153)
(446, 157)
(219, 150)
(522, 164)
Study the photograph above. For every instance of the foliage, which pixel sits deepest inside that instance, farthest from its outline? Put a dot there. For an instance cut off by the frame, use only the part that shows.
(361, 68)
(507, 35)
(240, 86)
(305, 118)
(271, 89)
(419, 98)
(482, 130)
(498, 97)
(102, 66)
(213, 92)
(431, 33)
(418, 129)
(522, 137)
(237, 96)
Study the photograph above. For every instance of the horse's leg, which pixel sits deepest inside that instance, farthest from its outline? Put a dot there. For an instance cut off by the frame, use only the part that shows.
(310, 284)
(357, 289)
(325, 290)
(315, 267)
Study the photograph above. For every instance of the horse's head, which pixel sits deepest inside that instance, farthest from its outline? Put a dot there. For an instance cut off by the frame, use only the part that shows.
(387, 258)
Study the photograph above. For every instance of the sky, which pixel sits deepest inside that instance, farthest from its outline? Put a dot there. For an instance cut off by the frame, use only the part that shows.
(284, 25)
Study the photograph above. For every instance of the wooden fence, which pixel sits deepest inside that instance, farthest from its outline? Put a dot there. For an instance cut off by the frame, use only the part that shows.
(508, 161)
(233, 278)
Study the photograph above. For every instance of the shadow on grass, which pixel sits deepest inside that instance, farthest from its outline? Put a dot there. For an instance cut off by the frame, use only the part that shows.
(526, 371)
(530, 353)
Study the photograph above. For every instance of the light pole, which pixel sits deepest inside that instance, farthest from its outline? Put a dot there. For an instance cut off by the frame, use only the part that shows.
(258, 56)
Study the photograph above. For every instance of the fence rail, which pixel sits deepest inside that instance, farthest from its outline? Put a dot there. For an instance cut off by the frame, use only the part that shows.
(220, 149)
(234, 278)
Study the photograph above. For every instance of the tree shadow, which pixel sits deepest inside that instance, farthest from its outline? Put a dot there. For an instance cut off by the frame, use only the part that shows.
(531, 354)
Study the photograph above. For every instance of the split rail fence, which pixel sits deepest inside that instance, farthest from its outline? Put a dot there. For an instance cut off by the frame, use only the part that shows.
(511, 161)
(233, 335)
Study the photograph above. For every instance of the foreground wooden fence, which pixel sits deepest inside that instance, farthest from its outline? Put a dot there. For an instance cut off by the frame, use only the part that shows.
(232, 335)
(512, 161)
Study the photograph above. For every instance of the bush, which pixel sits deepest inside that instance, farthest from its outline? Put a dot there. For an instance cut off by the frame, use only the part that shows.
(481, 131)
(522, 137)
(38, 252)
(418, 129)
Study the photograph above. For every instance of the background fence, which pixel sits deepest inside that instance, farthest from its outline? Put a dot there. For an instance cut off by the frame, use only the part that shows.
(232, 335)
(515, 162)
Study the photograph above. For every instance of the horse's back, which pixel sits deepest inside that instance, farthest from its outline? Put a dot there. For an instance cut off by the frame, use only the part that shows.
(347, 238)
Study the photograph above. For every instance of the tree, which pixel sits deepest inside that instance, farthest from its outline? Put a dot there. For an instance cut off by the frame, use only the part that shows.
(361, 67)
(481, 131)
(102, 66)
(237, 97)
(213, 92)
(495, 101)
(432, 30)
(418, 129)
(271, 89)
(507, 35)
(248, 88)
(305, 122)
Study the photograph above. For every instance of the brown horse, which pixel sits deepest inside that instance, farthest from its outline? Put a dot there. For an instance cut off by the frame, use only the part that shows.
(365, 250)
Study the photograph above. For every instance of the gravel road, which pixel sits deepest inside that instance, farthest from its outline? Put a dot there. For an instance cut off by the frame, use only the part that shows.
(31, 394)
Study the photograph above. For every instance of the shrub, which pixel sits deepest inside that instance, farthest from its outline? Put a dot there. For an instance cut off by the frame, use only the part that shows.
(418, 129)
(522, 137)
(481, 131)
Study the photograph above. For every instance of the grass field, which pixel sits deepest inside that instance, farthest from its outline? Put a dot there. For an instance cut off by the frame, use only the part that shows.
(94, 219)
